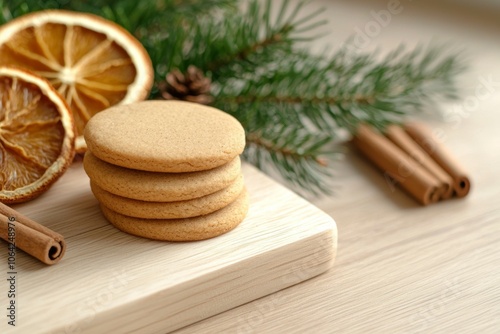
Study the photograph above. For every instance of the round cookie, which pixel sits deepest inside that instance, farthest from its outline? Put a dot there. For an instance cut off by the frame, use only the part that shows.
(169, 210)
(187, 229)
(165, 136)
(159, 187)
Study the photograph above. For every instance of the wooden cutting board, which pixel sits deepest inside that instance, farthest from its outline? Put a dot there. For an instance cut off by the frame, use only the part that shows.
(109, 281)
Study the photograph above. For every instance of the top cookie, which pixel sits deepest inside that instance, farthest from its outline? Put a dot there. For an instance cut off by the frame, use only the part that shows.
(165, 136)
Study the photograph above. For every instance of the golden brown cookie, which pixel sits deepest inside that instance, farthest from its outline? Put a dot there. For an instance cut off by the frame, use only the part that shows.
(159, 187)
(186, 229)
(165, 136)
(169, 210)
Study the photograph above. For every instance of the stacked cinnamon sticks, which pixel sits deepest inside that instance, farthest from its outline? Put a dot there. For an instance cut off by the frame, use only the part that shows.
(412, 157)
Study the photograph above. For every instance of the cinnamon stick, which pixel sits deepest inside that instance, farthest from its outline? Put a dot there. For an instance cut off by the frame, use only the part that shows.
(424, 137)
(402, 139)
(31, 237)
(412, 177)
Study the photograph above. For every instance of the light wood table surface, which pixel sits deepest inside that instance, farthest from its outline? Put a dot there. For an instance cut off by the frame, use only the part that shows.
(402, 268)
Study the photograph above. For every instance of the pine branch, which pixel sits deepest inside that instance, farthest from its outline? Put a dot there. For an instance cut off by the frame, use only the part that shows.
(288, 152)
(282, 99)
(296, 154)
(247, 41)
(332, 94)
(243, 54)
(346, 89)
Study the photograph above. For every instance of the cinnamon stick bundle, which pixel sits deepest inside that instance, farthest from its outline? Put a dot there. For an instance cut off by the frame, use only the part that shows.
(424, 137)
(31, 237)
(402, 139)
(410, 175)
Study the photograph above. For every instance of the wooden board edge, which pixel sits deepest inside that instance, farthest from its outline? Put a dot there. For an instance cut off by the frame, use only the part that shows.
(224, 289)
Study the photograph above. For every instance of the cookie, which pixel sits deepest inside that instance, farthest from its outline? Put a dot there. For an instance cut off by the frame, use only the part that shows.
(159, 187)
(186, 229)
(165, 136)
(169, 210)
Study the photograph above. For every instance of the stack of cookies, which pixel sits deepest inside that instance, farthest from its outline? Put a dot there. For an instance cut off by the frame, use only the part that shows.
(167, 170)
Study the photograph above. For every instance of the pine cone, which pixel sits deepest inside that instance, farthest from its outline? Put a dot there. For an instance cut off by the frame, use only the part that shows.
(191, 86)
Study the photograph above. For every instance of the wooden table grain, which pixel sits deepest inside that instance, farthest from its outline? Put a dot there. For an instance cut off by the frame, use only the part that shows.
(403, 268)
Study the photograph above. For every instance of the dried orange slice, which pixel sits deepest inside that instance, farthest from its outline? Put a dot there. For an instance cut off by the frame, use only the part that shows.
(37, 135)
(94, 63)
